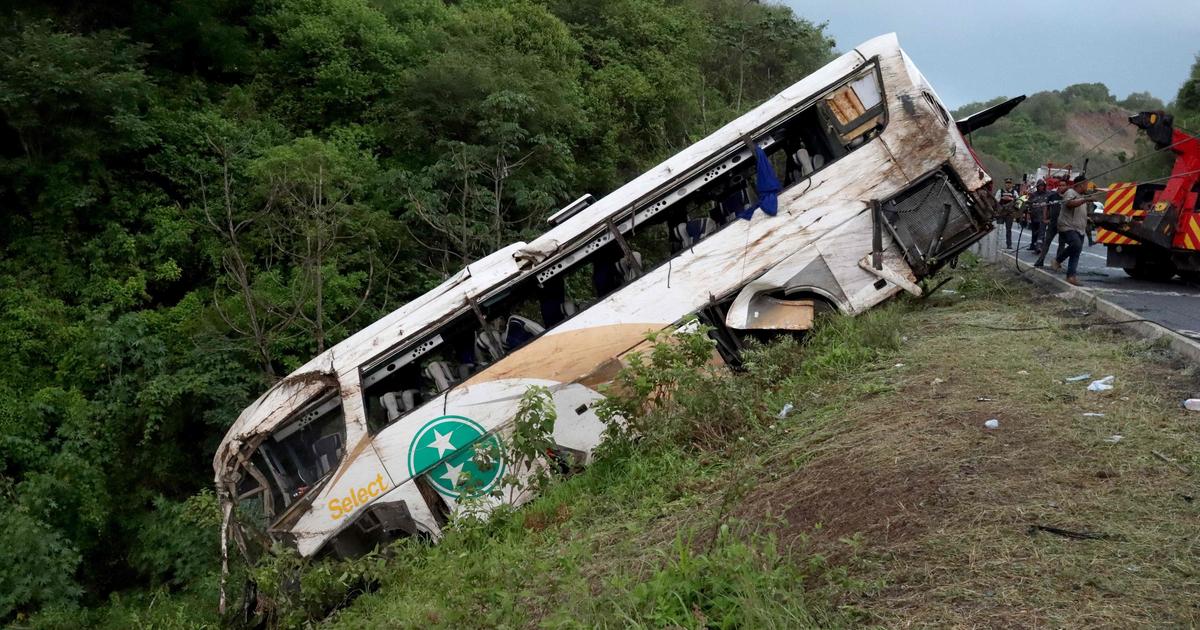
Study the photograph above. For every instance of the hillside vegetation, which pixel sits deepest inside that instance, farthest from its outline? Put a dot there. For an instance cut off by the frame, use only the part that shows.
(1081, 121)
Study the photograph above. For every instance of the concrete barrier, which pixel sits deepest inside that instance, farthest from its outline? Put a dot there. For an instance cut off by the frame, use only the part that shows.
(1185, 347)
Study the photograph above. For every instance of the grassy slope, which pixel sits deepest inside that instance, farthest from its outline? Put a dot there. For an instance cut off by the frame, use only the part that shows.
(881, 500)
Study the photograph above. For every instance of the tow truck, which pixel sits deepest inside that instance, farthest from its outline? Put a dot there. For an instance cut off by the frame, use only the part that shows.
(1152, 229)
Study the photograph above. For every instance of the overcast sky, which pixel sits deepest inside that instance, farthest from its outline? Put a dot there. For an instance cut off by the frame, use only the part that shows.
(972, 50)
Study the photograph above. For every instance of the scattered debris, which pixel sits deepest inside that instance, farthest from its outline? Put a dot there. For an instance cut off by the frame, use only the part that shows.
(1102, 385)
(1170, 460)
(1076, 379)
(984, 399)
(1192, 404)
(1022, 372)
(936, 381)
(1186, 497)
(1092, 414)
(992, 424)
(899, 365)
(1113, 439)
(1066, 533)
(787, 408)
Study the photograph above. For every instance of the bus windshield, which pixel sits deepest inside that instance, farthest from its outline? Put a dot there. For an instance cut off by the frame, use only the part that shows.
(295, 458)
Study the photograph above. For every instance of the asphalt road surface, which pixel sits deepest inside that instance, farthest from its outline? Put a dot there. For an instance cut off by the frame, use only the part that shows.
(1174, 305)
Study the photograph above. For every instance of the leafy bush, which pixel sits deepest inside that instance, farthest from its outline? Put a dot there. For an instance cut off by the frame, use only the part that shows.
(178, 542)
(676, 395)
(294, 591)
(37, 565)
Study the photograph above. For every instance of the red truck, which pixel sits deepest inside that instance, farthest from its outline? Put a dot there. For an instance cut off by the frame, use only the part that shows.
(1152, 230)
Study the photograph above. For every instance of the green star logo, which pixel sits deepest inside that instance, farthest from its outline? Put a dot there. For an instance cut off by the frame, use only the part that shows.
(444, 451)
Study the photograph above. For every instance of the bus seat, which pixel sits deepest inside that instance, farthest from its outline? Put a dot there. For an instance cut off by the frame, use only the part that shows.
(328, 450)
(399, 403)
(440, 373)
(628, 271)
(818, 161)
(734, 202)
(520, 331)
(486, 346)
(466, 351)
(465, 370)
(555, 312)
(552, 300)
(694, 231)
(606, 277)
(804, 160)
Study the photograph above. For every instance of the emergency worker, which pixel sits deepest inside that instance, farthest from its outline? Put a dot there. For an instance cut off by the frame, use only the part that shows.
(1053, 207)
(1006, 197)
(1035, 209)
(1072, 225)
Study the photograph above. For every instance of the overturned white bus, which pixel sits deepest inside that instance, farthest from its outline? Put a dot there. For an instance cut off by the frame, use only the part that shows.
(371, 440)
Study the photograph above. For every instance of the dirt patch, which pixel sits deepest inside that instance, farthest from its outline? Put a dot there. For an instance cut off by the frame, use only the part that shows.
(899, 473)
(840, 498)
(1090, 129)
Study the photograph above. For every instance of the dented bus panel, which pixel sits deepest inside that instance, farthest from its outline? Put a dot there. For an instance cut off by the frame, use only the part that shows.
(374, 439)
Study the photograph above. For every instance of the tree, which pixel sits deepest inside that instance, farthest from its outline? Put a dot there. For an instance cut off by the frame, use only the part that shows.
(1141, 102)
(1187, 101)
(310, 191)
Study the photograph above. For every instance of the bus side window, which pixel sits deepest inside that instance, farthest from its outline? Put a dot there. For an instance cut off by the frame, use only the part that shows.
(606, 276)
(553, 302)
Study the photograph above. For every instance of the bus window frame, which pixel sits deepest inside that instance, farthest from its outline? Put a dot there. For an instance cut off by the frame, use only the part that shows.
(869, 113)
(654, 203)
(313, 406)
(647, 207)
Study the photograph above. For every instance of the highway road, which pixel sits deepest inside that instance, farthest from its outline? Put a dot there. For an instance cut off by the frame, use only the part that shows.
(1174, 305)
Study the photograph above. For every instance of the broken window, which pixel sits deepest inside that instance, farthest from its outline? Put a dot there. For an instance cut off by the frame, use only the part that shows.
(293, 460)
(856, 110)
